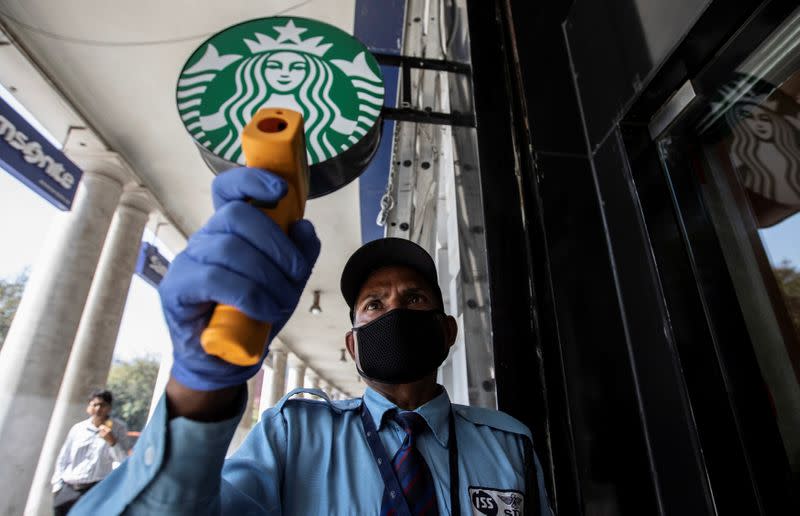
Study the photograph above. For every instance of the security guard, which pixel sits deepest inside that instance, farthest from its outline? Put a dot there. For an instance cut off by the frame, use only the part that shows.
(401, 449)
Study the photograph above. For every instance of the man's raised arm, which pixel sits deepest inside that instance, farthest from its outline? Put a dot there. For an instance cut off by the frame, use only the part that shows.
(240, 258)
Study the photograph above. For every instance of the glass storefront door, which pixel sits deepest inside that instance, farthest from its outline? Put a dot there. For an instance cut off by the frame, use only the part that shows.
(745, 158)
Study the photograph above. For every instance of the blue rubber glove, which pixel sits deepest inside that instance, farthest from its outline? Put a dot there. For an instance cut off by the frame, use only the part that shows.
(239, 258)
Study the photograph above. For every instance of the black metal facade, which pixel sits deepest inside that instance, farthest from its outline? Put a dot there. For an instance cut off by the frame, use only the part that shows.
(617, 335)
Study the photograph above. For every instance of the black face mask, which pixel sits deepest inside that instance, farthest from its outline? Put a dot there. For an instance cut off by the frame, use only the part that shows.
(401, 346)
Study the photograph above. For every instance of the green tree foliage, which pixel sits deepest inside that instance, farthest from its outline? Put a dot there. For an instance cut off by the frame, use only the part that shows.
(789, 280)
(132, 385)
(10, 295)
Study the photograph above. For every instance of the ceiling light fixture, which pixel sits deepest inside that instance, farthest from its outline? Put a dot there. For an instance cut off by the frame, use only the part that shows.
(315, 308)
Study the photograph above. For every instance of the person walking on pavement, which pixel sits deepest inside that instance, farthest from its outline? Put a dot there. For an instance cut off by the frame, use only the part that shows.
(90, 452)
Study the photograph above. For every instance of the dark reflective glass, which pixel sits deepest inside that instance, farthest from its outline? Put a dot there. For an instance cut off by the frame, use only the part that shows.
(630, 39)
(747, 167)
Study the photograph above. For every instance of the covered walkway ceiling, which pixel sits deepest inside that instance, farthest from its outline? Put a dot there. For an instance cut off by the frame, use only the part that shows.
(114, 66)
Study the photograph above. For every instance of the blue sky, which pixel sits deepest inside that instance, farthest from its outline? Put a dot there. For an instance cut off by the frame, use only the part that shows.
(782, 241)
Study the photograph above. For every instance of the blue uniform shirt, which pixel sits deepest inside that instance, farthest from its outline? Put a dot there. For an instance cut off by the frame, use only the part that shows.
(310, 457)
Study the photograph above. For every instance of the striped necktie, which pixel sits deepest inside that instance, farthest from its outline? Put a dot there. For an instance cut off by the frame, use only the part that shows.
(412, 471)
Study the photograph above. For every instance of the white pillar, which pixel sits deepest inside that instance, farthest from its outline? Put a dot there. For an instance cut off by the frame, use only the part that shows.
(278, 387)
(37, 347)
(258, 393)
(90, 360)
(312, 380)
(266, 390)
(297, 373)
(247, 420)
(164, 368)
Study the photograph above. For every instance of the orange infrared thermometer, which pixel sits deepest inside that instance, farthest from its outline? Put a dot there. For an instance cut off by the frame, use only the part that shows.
(273, 140)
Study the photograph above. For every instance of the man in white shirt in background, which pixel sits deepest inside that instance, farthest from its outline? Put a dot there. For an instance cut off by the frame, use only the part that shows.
(92, 449)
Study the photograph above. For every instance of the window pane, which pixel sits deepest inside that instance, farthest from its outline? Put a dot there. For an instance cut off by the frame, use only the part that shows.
(751, 188)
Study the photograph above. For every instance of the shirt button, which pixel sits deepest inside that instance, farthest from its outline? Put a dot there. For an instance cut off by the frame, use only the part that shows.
(391, 494)
(149, 455)
(380, 461)
(369, 434)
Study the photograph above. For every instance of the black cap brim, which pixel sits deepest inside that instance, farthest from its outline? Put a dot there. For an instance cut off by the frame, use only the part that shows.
(382, 253)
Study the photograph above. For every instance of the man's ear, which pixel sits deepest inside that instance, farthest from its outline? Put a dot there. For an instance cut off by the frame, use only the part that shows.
(350, 344)
(451, 330)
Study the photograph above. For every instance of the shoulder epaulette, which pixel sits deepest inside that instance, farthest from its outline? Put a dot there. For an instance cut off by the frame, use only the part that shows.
(338, 406)
(492, 418)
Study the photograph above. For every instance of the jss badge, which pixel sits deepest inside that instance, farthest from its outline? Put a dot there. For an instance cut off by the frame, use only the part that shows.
(491, 502)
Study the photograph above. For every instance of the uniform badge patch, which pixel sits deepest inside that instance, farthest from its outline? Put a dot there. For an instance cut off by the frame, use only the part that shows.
(491, 502)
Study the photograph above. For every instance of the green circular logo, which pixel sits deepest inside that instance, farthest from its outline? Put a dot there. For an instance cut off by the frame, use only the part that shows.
(295, 63)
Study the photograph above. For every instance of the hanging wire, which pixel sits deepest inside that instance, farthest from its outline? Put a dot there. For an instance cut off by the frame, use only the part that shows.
(387, 200)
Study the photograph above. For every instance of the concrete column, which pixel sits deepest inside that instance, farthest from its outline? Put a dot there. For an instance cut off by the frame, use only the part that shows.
(278, 387)
(249, 411)
(297, 373)
(266, 390)
(164, 368)
(247, 418)
(38, 345)
(258, 393)
(313, 380)
(90, 360)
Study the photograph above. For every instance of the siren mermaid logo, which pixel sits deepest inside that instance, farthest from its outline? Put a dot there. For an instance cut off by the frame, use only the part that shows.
(296, 63)
(758, 125)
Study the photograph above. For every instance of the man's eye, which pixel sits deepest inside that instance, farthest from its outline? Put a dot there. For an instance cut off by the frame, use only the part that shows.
(416, 298)
(372, 305)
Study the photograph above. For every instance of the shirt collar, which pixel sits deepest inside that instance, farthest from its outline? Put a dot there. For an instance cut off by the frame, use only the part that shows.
(436, 412)
(88, 425)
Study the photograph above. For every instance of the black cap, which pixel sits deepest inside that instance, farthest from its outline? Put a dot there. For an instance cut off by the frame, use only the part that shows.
(381, 253)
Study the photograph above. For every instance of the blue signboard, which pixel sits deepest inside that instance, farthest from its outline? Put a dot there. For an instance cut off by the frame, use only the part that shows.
(379, 25)
(151, 266)
(28, 156)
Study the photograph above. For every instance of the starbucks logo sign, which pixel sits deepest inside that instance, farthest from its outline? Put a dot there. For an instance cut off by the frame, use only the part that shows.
(296, 63)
